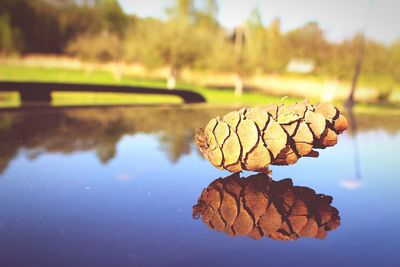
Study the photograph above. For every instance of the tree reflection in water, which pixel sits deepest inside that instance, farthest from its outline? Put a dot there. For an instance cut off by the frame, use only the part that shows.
(55, 130)
(355, 181)
(257, 206)
(96, 129)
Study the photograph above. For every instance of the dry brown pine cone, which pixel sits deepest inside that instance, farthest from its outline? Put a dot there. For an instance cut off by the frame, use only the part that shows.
(257, 206)
(254, 138)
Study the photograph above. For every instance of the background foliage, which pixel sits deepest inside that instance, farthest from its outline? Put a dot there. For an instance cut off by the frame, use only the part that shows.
(190, 37)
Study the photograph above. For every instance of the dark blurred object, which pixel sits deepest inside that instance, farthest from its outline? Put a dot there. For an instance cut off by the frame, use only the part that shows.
(35, 92)
(258, 206)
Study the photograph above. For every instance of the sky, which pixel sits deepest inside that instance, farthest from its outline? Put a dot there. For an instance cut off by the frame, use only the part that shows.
(339, 19)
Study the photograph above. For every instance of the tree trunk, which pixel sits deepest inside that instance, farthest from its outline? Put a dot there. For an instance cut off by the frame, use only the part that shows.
(89, 69)
(171, 78)
(357, 69)
(238, 85)
(117, 71)
(350, 99)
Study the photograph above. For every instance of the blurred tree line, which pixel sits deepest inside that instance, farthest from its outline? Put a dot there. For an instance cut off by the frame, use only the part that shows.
(190, 37)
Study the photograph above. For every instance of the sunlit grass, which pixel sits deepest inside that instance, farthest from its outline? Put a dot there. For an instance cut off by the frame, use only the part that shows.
(66, 98)
(377, 109)
(57, 74)
(28, 73)
(9, 99)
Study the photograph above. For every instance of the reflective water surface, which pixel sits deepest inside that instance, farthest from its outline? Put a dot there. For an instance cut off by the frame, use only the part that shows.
(116, 187)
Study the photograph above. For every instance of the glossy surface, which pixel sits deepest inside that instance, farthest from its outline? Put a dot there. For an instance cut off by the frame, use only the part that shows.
(116, 186)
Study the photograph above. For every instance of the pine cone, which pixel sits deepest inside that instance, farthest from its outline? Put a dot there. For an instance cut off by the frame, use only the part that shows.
(253, 138)
(257, 206)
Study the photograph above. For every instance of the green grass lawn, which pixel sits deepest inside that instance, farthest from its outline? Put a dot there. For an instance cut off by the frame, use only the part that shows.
(25, 73)
(213, 96)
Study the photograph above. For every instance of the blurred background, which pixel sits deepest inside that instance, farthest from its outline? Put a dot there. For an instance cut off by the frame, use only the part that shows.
(98, 184)
(230, 51)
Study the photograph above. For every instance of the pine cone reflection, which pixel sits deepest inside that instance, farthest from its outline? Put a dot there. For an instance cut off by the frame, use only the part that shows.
(258, 206)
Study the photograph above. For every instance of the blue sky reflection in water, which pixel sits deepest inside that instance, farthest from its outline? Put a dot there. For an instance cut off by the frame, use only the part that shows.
(84, 193)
